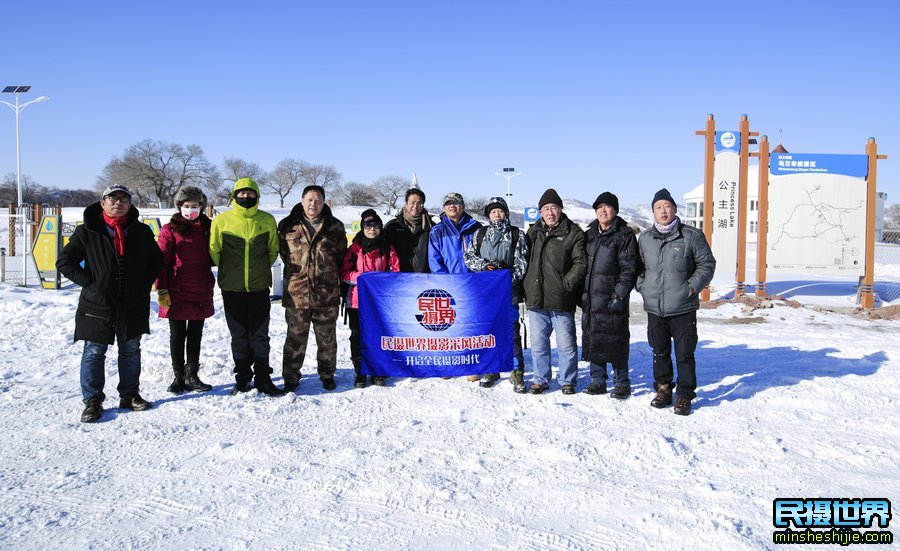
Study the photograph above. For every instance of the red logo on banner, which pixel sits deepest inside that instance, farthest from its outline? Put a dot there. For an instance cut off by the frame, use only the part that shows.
(436, 307)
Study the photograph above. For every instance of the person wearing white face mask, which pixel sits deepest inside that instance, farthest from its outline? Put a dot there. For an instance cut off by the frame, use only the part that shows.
(185, 286)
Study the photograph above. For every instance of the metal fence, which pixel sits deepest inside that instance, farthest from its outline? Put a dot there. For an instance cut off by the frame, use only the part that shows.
(887, 257)
(15, 249)
(887, 266)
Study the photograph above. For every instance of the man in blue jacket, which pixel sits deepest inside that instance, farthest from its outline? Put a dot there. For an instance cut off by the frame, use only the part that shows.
(448, 240)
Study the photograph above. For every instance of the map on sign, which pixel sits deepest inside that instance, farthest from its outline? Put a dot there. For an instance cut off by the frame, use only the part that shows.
(817, 224)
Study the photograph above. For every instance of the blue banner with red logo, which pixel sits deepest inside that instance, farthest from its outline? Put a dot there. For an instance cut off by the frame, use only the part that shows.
(435, 325)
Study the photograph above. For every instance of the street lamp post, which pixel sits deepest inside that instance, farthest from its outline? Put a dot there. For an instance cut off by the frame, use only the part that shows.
(509, 174)
(18, 109)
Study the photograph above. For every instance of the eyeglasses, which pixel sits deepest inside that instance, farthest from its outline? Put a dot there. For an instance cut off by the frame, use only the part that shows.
(371, 224)
(451, 204)
(118, 199)
(416, 204)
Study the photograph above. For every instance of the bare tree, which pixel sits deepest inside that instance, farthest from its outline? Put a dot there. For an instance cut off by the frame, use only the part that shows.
(319, 175)
(892, 217)
(70, 197)
(355, 193)
(9, 193)
(285, 177)
(156, 170)
(235, 169)
(389, 189)
(477, 204)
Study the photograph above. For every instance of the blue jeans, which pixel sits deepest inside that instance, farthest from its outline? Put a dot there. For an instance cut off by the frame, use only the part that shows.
(544, 322)
(93, 366)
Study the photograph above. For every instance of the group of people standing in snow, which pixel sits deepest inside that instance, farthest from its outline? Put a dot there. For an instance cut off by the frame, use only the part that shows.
(555, 267)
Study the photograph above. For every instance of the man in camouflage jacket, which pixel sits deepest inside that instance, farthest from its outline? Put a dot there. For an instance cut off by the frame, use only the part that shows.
(312, 246)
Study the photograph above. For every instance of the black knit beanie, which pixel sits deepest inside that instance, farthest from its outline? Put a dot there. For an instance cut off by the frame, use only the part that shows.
(607, 198)
(662, 195)
(550, 196)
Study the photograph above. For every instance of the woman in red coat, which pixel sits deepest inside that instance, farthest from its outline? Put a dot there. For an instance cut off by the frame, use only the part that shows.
(369, 252)
(185, 286)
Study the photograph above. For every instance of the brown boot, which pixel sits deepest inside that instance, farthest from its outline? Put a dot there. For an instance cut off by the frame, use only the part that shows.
(682, 406)
(663, 397)
(473, 378)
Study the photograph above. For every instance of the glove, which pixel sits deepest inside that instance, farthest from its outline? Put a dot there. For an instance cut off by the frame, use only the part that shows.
(500, 265)
(165, 301)
(490, 266)
(616, 305)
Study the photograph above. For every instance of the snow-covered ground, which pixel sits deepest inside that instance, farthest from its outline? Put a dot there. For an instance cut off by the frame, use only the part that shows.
(793, 402)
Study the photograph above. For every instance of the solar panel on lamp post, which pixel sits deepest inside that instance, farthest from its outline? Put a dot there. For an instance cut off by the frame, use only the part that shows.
(19, 89)
(509, 174)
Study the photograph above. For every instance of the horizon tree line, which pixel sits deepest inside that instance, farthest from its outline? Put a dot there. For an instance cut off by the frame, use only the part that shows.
(156, 170)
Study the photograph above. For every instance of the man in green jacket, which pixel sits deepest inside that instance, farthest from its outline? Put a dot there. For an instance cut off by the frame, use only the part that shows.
(244, 245)
(556, 270)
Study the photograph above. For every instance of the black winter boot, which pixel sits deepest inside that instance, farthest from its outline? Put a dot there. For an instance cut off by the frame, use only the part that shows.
(621, 391)
(360, 381)
(192, 380)
(243, 376)
(488, 380)
(92, 411)
(177, 386)
(263, 374)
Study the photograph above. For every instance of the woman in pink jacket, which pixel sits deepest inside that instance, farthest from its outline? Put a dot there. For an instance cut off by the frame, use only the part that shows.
(185, 286)
(369, 252)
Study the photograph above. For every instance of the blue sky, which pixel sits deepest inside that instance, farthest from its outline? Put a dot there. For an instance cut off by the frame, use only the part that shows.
(581, 96)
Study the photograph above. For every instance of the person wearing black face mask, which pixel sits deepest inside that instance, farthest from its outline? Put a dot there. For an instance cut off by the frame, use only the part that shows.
(246, 198)
(243, 243)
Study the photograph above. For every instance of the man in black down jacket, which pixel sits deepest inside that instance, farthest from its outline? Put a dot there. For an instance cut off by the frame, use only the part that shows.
(613, 264)
(408, 233)
(121, 262)
(556, 268)
(678, 264)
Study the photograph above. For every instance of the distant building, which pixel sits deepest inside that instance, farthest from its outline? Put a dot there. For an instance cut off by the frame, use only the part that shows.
(693, 215)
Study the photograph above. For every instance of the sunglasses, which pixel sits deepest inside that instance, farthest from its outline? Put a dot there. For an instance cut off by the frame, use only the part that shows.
(371, 224)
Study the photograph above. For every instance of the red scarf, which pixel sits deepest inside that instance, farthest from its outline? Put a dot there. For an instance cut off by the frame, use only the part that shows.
(117, 224)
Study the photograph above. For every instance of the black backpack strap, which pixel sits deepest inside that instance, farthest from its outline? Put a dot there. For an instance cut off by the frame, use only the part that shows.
(479, 238)
(511, 256)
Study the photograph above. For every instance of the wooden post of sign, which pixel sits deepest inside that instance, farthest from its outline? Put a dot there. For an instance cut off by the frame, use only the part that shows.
(710, 134)
(37, 212)
(12, 229)
(762, 229)
(868, 283)
(741, 272)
